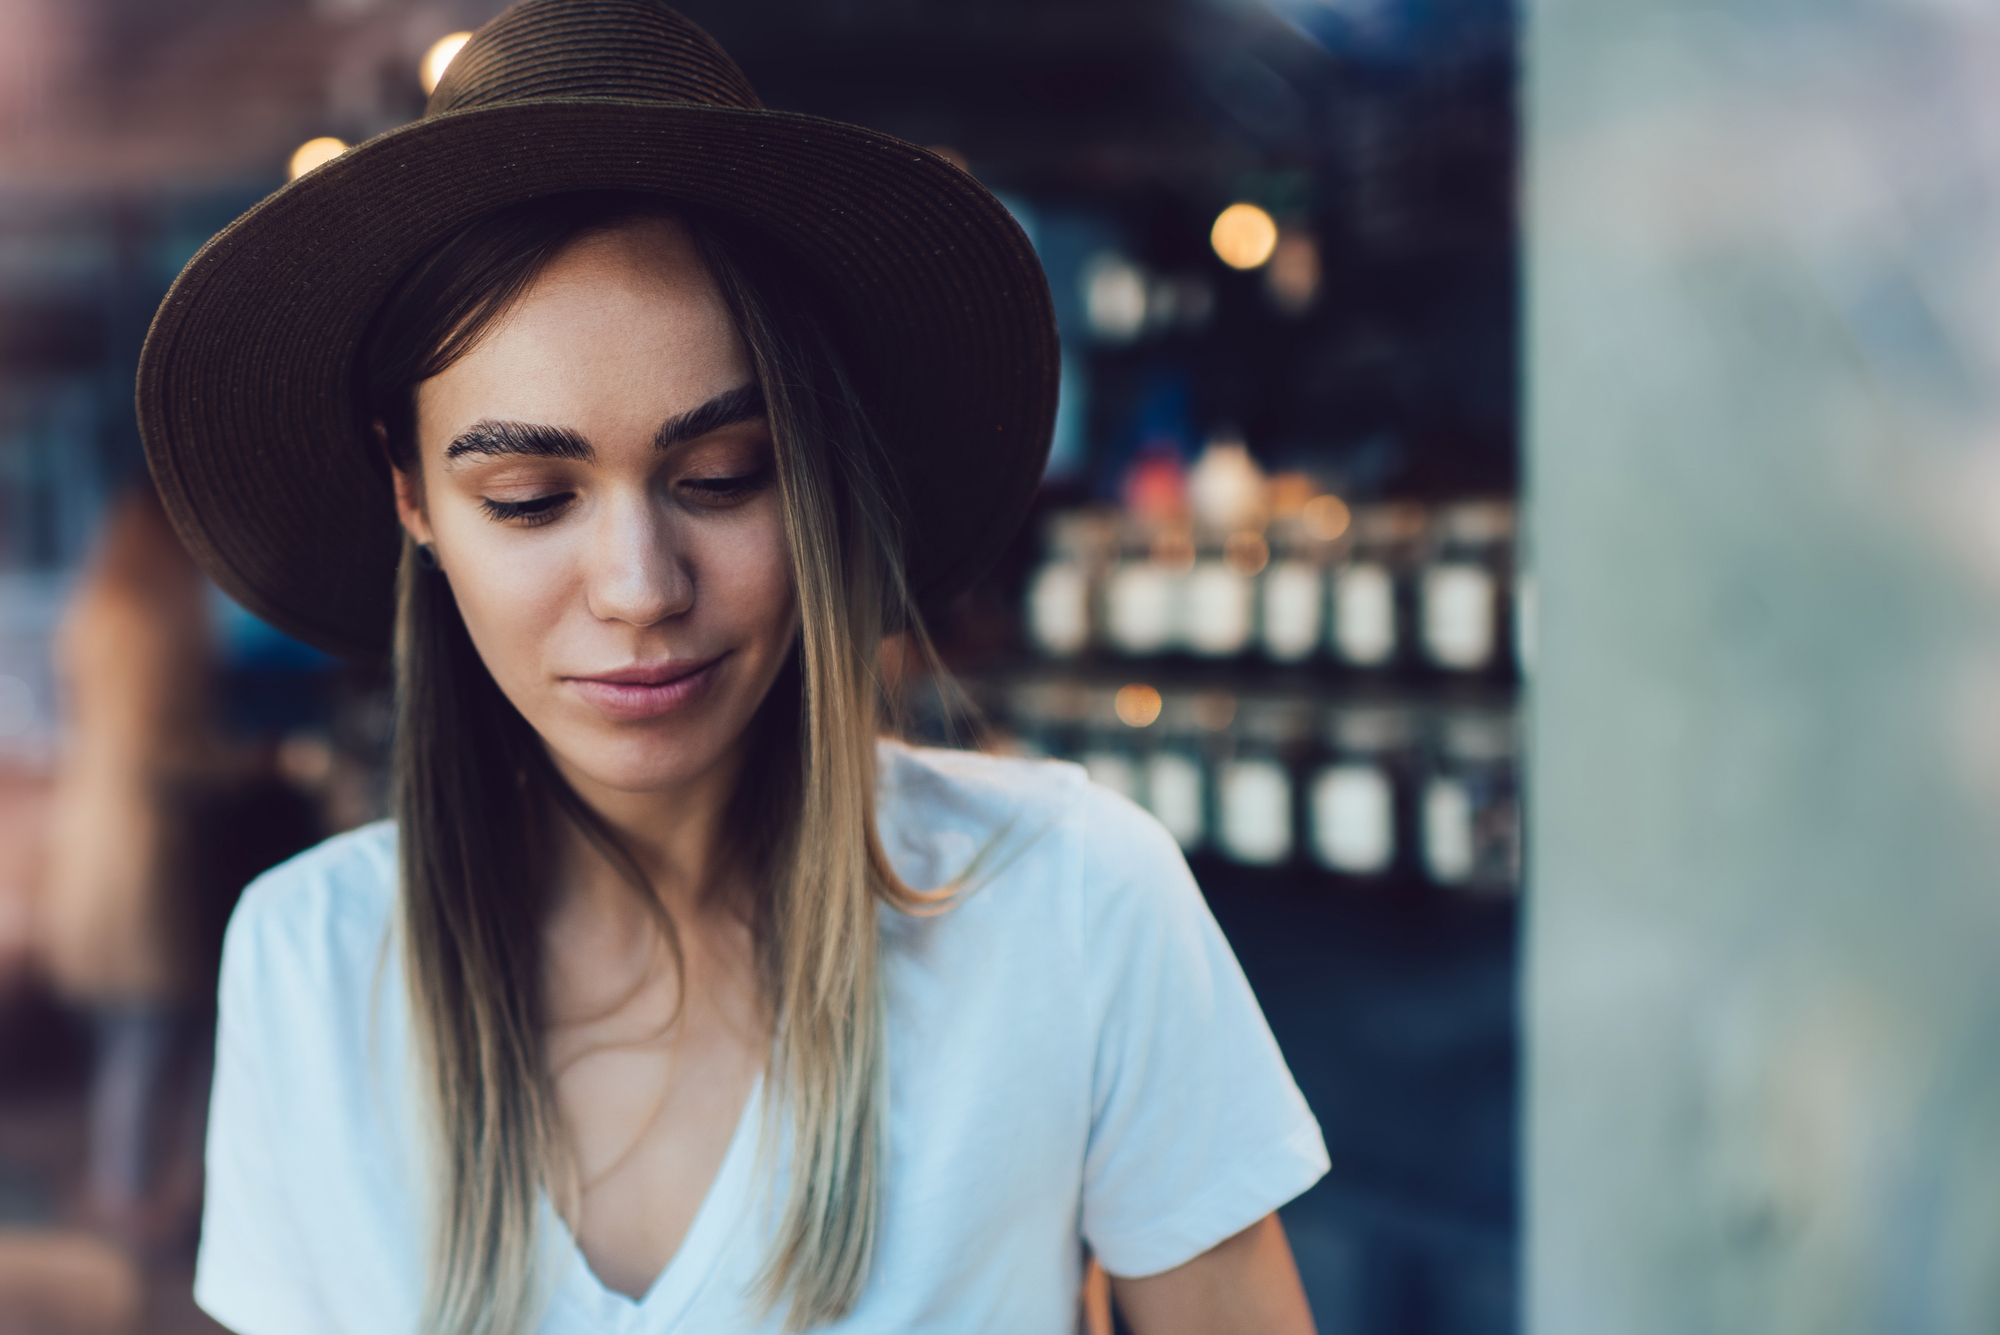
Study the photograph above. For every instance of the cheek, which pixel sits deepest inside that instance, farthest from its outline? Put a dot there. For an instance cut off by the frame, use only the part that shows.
(746, 578)
(510, 605)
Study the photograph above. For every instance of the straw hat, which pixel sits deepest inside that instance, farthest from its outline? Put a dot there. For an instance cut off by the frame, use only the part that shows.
(244, 386)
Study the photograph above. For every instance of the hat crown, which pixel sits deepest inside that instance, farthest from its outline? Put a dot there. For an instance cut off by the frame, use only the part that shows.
(623, 50)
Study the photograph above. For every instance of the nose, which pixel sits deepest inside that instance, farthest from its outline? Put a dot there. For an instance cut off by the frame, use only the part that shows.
(638, 571)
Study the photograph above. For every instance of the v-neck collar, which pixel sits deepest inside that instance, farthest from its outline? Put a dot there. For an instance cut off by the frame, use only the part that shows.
(711, 1236)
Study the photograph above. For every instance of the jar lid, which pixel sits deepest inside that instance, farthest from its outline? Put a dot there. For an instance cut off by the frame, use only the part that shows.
(1478, 735)
(1190, 713)
(1081, 534)
(1388, 523)
(1049, 702)
(1371, 728)
(1481, 521)
(1273, 720)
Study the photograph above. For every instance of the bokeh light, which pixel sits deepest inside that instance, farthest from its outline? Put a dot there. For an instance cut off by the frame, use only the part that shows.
(1138, 705)
(1244, 236)
(315, 153)
(438, 59)
(1114, 297)
(1327, 517)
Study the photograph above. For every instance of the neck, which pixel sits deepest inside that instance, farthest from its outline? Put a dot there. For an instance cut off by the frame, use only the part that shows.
(602, 942)
(677, 838)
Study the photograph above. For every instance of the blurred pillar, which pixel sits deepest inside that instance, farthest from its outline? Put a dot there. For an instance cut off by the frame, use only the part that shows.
(1764, 347)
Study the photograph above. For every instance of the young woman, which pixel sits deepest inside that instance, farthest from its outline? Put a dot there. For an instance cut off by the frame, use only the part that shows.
(673, 999)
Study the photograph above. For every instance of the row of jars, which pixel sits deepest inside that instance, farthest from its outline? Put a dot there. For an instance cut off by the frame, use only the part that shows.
(1383, 587)
(1366, 791)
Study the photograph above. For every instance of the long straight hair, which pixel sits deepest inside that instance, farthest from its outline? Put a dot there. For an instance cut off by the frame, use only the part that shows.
(481, 808)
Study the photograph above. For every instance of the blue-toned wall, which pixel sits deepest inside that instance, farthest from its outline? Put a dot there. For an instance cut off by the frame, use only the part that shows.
(1765, 472)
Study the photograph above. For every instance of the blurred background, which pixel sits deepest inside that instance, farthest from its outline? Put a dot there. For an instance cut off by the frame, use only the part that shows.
(1274, 588)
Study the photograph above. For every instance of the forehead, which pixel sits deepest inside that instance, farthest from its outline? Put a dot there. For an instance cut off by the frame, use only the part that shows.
(648, 257)
(622, 326)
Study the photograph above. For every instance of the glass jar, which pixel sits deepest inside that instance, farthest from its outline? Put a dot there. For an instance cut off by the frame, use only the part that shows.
(1255, 792)
(1354, 802)
(1294, 609)
(1463, 590)
(1292, 596)
(1077, 546)
(1145, 591)
(1367, 626)
(1218, 613)
(1173, 782)
(1471, 813)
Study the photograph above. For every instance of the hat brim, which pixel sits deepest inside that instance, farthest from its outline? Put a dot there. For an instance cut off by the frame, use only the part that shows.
(244, 393)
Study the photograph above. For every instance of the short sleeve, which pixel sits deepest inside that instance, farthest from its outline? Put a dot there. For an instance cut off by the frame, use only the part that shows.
(1197, 1129)
(250, 1274)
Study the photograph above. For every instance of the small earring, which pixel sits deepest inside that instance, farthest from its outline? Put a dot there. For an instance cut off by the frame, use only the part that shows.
(427, 557)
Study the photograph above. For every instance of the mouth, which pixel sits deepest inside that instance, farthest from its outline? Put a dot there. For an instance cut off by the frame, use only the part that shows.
(647, 690)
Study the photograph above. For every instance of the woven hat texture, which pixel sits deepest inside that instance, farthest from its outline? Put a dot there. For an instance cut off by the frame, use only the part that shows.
(244, 393)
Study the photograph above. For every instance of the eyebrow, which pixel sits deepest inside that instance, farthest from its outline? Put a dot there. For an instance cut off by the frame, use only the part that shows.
(745, 403)
(530, 438)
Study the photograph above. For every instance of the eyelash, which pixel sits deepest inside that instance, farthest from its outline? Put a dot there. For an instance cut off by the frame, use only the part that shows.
(546, 509)
(721, 489)
(527, 514)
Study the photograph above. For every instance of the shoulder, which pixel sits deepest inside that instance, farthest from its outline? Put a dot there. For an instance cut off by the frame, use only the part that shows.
(937, 809)
(946, 812)
(929, 787)
(325, 912)
(315, 1160)
(1053, 885)
(970, 790)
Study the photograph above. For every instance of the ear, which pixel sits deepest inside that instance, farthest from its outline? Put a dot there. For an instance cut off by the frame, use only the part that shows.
(409, 493)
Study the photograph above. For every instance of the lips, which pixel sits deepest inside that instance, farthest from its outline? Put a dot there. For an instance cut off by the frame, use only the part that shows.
(647, 690)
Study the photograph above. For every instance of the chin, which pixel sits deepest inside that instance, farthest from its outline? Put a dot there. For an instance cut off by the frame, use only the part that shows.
(639, 761)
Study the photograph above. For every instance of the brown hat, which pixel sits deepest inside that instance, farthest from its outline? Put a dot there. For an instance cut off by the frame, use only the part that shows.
(244, 387)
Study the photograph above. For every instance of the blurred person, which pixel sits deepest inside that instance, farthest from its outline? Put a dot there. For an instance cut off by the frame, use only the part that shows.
(155, 823)
(631, 417)
(133, 660)
(24, 798)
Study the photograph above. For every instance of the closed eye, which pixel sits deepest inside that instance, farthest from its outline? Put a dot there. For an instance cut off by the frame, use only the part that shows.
(722, 490)
(528, 514)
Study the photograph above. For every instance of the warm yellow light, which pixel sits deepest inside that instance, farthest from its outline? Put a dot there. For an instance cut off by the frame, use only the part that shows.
(1244, 236)
(315, 153)
(438, 58)
(1137, 705)
(1290, 492)
(1327, 517)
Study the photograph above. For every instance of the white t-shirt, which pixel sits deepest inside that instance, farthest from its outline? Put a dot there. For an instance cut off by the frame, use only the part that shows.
(1075, 1058)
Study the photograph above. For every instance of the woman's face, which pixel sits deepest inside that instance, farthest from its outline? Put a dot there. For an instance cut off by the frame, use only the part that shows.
(597, 481)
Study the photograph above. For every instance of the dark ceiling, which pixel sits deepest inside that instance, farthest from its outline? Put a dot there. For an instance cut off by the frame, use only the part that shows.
(1035, 92)
(131, 129)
